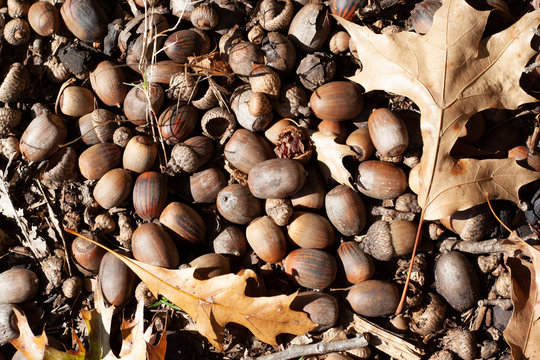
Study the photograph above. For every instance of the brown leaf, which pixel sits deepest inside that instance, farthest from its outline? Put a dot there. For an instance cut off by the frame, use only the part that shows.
(451, 73)
(523, 331)
(331, 154)
(217, 301)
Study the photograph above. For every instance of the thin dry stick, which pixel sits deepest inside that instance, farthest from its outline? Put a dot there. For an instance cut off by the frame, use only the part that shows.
(472, 247)
(297, 351)
(56, 224)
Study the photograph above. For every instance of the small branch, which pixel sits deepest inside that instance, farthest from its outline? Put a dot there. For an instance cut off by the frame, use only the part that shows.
(392, 214)
(297, 351)
(471, 247)
(506, 304)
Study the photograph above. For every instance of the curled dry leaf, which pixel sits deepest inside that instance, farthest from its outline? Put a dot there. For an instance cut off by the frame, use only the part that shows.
(523, 331)
(331, 154)
(220, 300)
(451, 73)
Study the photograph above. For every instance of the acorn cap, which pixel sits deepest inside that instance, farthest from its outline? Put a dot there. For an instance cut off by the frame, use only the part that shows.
(378, 241)
(183, 159)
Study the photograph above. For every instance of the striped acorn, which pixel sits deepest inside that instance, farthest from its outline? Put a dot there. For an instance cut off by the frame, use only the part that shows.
(310, 230)
(85, 19)
(357, 265)
(184, 43)
(177, 122)
(97, 126)
(346, 210)
(346, 8)
(113, 188)
(184, 223)
(337, 101)
(44, 18)
(380, 180)
(149, 194)
(98, 159)
(108, 81)
(266, 239)
(311, 268)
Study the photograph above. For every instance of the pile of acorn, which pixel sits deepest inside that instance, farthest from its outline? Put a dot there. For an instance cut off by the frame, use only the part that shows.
(216, 113)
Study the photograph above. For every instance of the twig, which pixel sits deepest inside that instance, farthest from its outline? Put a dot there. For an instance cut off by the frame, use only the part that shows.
(506, 304)
(392, 214)
(471, 247)
(297, 351)
(387, 341)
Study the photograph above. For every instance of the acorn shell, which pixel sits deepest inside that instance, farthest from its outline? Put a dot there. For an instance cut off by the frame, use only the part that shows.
(274, 17)
(152, 245)
(108, 81)
(117, 280)
(9, 119)
(311, 268)
(266, 239)
(388, 133)
(97, 126)
(42, 136)
(136, 106)
(76, 101)
(276, 178)
(44, 18)
(61, 166)
(236, 204)
(149, 194)
(14, 83)
(374, 298)
(182, 44)
(218, 123)
(337, 101)
(177, 123)
(140, 154)
(245, 149)
(380, 180)
(18, 285)
(17, 8)
(385, 240)
(184, 222)
(113, 188)
(310, 230)
(346, 210)
(356, 264)
(99, 159)
(85, 19)
(204, 17)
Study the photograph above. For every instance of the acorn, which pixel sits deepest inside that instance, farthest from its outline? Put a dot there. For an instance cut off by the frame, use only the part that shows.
(236, 204)
(149, 194)
(205, 185)
(76, 101)
(152, 245)
(140, 154)
(177, 122)
(422, 15)
(18, 285)
(231, 241)
(430, 318)
(311, 268)
(44, 18)
(462, 342)
(162, 71)
(265, 80)
(380, 180)
(136, 106)
(346, 210)
(184, 222)
(471, 224)
(347, 9)
(388, 133)
(183, 159)
(337, 101)
(108, 82)
(203, 147)
(42, 137)
(279, 52)
(210, 265)
(386, 240)
(185, 43)
(86, 255)
(357, 265)
(253, 115)
(374, 298)
(18, 8)
(85, 19)
(322, 308)
(246, 149)
(276, 178)
(243, 56)
(266, 239)
(339, 42)
(14, 83)
(360, 141)
(113, 188)
(17, 32)
(456, 280)
(312, 194)
(310, 230)
(98, 159)
(310, 27)
(218, 123)
(97, 126)
(117, 280)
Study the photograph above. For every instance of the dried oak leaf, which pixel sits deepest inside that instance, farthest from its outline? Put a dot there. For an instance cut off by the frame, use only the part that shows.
(331, 154)
(523, 331)
(451, 73)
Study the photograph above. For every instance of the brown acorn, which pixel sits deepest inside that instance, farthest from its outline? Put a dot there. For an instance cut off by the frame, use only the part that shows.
(385, 240)
(471, 224)
(42, 136)
(374, 298)
(108, 82)
(388, 133)
(85, 19)
(380, 180)
(312, 194)
(266, 239)
(205, 185)
(357, 265)
(113, 188)
(162, 71)
(87, 256)
(310, 230)
(311, 268)
(117, 280)
(276, 178)
(140, 154)
(246, 149)
(361, 143)
(236, 204)
(210, 265)
(149, 194)
(243, 56)
(97, 126)
(185, 43)
(184, 223)
(18, 285)
(98, 159)
(44, 18)
(346, 210)
(310, 27)
(347, 9)
(76, 101)
(152, 245)
(136, 106)
(203, 147)
(337, 101)
(177, 122)
(322, 308)
(256, 119)
(231, 241)
(265, 80)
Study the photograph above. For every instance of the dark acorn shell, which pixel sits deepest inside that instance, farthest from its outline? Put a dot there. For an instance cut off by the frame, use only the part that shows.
(184, 222)
(357, 265)
(149, 195)
(177, 122)
(311, 268)
(85, 19)
(346, 8)
(87, 256)
(98, 159)
(182, 44)
(117, 280)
